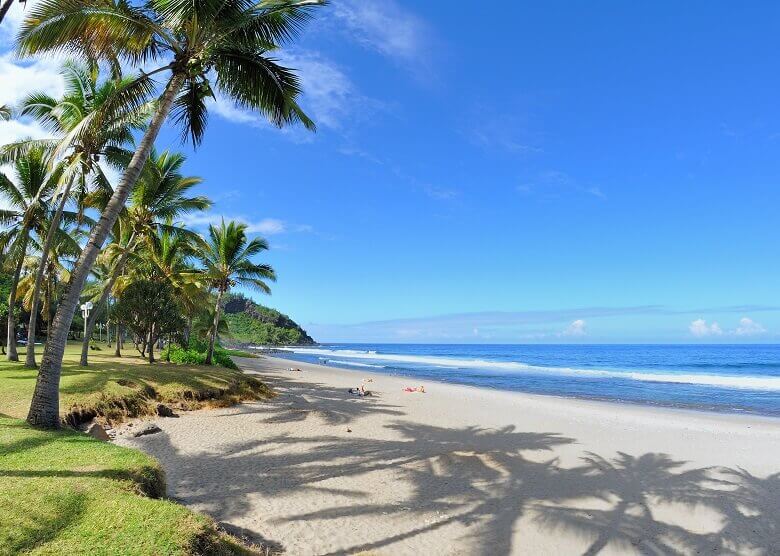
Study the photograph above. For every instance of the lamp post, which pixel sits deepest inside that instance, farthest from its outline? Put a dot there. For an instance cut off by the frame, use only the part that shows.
(85, 309)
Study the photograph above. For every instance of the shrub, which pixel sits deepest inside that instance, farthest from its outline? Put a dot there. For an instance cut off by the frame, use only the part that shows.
(196, 354)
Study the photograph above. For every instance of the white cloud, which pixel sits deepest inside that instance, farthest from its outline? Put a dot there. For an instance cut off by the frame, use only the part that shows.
(749, 327)
(25, 77)
(15, 130)
(19, 79)
(265, 226)
(12, 22)
(385, 27)
(327, 91)
(596, 192)
(701, 329)
(329, 97)
(575, 329)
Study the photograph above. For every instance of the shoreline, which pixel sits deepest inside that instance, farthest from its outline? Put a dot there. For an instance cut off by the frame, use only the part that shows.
(534, 395)
(468, 470)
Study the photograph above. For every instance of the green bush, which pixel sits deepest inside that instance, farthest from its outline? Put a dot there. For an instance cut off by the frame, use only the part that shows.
(196, 354)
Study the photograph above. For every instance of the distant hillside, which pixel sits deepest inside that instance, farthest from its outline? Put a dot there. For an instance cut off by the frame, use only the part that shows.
(250, 323)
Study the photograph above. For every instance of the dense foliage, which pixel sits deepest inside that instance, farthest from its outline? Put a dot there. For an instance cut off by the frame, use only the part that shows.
(149, 310)
(251, 323)
(195, 354)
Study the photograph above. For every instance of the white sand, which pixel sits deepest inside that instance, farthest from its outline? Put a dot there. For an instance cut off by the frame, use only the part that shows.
(462, 470)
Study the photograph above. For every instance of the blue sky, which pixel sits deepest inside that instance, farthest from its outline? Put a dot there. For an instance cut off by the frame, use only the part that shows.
(542, 172)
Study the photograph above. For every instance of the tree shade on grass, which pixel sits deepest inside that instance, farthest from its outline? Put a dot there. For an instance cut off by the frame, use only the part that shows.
(228, 41)
(63, 492)
(117, 388)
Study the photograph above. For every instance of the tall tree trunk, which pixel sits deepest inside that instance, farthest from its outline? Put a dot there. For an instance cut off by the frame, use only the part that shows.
(45, 404)
(117, 271)
(151, 344)
(11, 340)
(117, 341)
(213, 337)
(4, 9)
(53, 227)
(48, 310)
(187, 332)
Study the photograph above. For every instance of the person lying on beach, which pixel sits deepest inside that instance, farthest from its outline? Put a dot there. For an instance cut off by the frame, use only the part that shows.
(360, 391)
(294, 369)
(420, 389)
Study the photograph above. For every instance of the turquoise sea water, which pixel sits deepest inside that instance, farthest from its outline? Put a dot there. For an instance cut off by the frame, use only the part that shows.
(729, 378)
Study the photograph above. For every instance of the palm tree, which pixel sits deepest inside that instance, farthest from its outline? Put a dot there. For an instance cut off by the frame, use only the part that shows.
(168, 259)
(229, 40)
(160, 195)
(29, 212)
(5, 113)
(92, 121)
(64, 251)
(227, 262)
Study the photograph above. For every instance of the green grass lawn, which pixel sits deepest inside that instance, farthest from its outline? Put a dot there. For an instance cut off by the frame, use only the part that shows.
(62, 492)
(115, 388)
(241, 353)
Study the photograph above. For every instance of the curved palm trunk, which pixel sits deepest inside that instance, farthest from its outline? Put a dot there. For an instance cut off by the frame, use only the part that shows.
(103, 298)
(4, 9)
(53, 227)
(44, 408)
(12, 354)
(213, 337)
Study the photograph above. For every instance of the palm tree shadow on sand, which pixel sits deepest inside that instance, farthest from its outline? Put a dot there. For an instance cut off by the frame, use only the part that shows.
(497, 483)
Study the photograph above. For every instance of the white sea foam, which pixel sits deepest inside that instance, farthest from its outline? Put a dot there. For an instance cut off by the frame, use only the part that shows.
(355, 364)
(723, 381)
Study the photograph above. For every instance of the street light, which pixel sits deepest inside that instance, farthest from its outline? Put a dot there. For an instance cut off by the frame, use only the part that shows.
(85, 309)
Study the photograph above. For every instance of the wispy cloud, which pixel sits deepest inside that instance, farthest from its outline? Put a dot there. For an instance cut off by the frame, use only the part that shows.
(540, 325)
(749, 327)
(329, 97)
(433, 191)
(576, 329)
(387, 28)
(503, 134)
(264, 226)
(328, 93)
(552, 184)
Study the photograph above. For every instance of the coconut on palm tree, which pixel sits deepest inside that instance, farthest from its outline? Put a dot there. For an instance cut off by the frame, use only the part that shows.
(30, 210)
(227, 262)
(227, 41)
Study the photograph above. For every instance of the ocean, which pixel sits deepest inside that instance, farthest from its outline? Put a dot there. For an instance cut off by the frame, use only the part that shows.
(725, 378)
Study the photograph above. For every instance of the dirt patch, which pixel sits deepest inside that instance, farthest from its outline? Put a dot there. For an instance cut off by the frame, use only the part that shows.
(112, 409)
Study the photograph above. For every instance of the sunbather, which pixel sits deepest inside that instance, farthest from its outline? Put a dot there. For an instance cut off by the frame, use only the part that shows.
(360, 391)
(420, 389)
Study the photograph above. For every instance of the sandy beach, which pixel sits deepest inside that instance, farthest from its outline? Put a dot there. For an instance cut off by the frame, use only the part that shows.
(462, 470)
